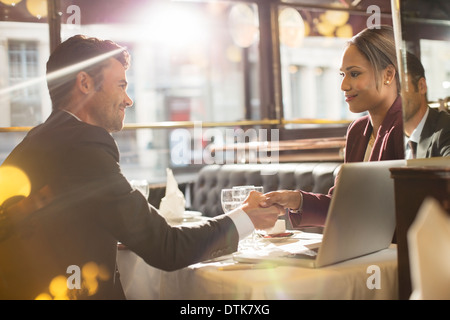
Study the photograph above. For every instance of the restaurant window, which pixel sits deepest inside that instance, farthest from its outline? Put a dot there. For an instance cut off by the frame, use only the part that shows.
(435, 57)
(24, 49)
(188, 57)
(192, 62)
(312, 41)
(23, 66)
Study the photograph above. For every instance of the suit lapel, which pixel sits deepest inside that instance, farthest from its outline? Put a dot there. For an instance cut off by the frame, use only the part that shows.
(426, 138)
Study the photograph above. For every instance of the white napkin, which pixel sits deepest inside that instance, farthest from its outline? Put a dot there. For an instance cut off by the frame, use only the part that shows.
(429, 245)
(279, 227)
(172, 206)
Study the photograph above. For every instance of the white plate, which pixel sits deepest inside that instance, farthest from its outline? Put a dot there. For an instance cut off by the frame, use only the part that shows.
(191, 214)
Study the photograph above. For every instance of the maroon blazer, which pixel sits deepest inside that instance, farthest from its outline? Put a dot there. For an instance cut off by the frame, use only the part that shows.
(388, 146)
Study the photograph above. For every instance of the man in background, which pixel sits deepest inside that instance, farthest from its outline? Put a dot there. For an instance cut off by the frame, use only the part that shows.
(427, 130)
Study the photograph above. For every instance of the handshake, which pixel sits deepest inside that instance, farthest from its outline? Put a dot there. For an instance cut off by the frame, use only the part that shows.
(264, 209)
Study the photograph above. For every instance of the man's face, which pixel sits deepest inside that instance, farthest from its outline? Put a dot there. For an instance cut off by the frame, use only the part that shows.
(411, 100)
(107, 107)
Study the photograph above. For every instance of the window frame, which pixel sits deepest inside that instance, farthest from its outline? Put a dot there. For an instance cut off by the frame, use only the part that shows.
(271, 109)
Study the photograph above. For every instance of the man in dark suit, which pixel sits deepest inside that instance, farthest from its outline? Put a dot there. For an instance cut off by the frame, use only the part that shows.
(80, 204)
(427, 129)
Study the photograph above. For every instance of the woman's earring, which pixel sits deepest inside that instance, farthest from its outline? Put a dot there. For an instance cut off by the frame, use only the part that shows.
(386, 82)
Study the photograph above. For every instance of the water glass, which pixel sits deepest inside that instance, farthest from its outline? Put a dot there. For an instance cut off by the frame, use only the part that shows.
(142, 186)
(228, 200)
(234, 197)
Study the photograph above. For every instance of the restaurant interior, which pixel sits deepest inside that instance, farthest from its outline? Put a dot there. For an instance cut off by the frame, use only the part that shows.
(247, 93)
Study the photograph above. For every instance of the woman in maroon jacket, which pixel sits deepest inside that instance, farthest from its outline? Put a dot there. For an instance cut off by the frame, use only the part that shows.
(371, 84)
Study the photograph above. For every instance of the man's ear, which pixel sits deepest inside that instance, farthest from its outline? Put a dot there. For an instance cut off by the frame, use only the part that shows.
(422, 86)
(84, 82)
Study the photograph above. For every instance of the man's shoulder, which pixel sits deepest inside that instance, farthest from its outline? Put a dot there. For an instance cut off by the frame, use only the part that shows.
(62, 126)
(438, 119)
(444, 119)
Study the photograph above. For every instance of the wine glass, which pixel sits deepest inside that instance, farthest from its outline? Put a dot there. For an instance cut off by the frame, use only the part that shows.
(259, 189)
(239, 194)
(255, 235)
(227, 200)
(242, 192)
(234, 197)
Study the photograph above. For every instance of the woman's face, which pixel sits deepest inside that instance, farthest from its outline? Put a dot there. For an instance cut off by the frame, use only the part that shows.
(358, 83)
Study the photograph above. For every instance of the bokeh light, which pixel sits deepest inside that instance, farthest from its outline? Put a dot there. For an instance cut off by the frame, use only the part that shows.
(91, 273)
(37, 8)
(13, 182)
(58, 288)
(44, 296)
(10, 2)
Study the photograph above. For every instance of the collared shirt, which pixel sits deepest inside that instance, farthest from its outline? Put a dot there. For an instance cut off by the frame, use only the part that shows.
(415, 135)
(72, 115)
(369, 148)
(242, 222)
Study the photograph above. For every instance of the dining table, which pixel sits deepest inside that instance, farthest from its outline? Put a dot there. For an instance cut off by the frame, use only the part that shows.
(369, 277)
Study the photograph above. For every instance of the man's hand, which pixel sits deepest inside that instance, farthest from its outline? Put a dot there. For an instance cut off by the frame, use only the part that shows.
(284, 198)
(262, 218)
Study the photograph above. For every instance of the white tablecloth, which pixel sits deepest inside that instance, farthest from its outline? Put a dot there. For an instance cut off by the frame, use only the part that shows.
(346, 280)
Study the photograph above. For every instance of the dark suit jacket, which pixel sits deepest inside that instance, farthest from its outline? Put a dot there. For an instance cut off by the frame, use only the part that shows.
(93, 206)
(435, 136)
(388, 146)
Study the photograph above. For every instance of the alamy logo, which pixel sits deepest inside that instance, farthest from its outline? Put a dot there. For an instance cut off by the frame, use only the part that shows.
(374, 21)
(374, 280)
(214, 146)
(75, 18)
(74, 280)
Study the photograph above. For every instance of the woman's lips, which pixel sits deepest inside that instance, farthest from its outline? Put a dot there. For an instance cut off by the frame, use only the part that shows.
(350, 98)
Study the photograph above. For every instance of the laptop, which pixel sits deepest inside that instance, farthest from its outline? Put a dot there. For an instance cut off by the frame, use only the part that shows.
(360, 220)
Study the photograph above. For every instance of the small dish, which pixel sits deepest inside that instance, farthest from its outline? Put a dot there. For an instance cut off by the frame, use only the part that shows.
(277, 236)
